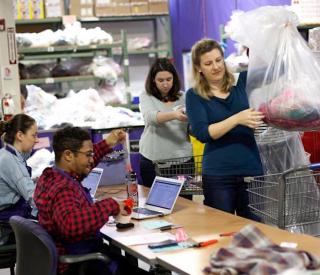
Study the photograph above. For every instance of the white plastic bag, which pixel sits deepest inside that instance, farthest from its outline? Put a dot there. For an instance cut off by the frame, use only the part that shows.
(283, 75)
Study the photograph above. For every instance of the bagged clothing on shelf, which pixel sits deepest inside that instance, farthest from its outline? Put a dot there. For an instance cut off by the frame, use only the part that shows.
(105, 68)
(283, 75)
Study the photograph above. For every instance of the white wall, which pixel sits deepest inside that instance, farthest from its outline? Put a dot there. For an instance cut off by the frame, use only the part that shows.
(9, 76)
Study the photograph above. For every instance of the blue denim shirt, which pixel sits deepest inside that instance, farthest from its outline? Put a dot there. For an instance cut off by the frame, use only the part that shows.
(15, 181)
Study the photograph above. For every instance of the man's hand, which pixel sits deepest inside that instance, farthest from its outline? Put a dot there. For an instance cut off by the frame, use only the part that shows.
(124, 215)
(115, 137)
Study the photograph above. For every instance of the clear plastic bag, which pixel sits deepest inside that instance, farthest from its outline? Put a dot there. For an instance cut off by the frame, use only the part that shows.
(280, 150)
(283, 75)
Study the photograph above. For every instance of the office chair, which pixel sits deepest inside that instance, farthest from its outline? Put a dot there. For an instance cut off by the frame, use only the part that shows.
(7, 251)
(36, 250)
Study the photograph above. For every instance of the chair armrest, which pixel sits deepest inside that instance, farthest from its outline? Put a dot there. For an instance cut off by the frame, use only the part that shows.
(7, 248)
(70, 259)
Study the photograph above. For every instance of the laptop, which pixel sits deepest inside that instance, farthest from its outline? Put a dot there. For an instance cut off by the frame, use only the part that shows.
(161, 199)
(92, 181)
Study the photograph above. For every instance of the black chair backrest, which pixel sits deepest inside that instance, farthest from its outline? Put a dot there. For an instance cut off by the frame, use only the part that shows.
(36, 250)
(8, 249)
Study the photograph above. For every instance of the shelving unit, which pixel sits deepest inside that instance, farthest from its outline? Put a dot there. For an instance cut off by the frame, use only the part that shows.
(58, 52)
(161, 47)
(164, 19)
(164, 48)
(304, 30)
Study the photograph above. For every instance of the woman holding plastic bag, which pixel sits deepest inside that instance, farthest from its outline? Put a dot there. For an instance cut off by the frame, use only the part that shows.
(219, 114)
(283, 74)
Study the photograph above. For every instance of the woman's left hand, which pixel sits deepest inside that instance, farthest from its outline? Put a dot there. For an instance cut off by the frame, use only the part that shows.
(181, 115)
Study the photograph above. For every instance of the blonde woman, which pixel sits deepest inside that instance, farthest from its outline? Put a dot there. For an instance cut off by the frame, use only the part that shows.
(218, 111)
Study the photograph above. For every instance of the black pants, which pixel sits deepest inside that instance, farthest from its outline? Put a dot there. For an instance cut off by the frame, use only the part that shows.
(148, 173)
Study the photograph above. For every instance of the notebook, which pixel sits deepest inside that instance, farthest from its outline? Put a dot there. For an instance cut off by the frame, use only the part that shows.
(161, 199)
(92, 181)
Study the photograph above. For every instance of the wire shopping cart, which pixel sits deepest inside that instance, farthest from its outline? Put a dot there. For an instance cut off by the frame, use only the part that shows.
(187, 168)
(289, 200)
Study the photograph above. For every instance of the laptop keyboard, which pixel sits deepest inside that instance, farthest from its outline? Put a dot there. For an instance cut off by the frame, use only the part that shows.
(146, 211)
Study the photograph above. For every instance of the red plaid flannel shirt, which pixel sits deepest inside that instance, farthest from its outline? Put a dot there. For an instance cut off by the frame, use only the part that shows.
(64, 210)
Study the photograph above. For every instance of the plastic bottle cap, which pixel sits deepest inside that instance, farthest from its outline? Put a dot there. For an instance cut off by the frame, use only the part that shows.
(132, 175)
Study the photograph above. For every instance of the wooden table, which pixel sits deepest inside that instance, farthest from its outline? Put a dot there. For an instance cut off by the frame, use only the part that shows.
(201, 223)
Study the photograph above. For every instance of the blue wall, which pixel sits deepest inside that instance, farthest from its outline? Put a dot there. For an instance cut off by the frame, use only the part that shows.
(192, 20)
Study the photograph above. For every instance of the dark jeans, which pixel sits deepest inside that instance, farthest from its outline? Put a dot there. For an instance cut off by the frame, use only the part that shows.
(227, 193)
(148, 173)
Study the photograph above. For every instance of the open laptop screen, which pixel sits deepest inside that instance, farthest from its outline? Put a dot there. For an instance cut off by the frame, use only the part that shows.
(92, 180)
(163, 193)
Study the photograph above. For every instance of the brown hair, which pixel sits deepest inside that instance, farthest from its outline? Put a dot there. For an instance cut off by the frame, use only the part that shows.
(161, 65)
(201, 85)
(20, 122)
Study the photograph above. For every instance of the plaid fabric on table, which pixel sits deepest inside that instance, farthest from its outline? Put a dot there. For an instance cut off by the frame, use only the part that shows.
(251, 252)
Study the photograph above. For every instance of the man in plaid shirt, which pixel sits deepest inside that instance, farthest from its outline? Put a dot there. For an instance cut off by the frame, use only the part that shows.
(66, 209)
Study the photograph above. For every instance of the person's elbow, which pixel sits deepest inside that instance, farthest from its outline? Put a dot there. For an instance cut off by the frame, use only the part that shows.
(201, 134)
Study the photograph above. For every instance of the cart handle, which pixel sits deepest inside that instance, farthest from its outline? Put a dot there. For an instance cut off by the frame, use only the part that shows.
(314, 166)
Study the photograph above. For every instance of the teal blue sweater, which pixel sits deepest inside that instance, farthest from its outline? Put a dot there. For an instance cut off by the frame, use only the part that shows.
(236, 153)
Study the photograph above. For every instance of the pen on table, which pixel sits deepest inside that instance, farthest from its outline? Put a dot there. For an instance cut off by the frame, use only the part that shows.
(227, 234)
(206, 243)
(168, 227)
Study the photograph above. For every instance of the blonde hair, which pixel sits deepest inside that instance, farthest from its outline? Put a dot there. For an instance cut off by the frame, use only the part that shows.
(201, 85)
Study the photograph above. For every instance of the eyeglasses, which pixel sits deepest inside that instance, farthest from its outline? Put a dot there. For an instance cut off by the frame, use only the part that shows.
(87, 154)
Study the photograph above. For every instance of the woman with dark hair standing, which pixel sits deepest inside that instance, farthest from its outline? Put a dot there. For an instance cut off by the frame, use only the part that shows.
(220, 117)
(163, 108)
(16, 186)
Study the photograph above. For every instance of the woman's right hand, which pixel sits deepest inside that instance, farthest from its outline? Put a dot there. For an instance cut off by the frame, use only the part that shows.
(180, 114)
(250, 118)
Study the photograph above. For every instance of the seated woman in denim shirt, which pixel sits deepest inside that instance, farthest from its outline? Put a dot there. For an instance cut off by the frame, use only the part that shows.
(16, 186)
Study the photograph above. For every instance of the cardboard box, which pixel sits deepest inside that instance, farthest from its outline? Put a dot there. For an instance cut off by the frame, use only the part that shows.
(100, 3)
(54, 8)
(139, 8)
(82, 8)
(158, 7)
(106, 10)
(112, 7)
(122, 9)
(308, 11)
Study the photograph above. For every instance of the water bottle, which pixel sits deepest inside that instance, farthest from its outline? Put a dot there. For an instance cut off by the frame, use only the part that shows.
(132, 187)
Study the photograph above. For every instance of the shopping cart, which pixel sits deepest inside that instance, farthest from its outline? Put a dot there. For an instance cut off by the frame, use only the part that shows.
(187, 168)
(289, 200)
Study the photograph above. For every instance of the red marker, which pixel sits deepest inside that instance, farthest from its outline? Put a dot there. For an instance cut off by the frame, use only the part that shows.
(227, 234)
(206, 243)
